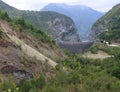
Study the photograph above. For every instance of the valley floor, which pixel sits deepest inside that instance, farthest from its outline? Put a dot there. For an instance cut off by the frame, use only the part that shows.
(98, 55)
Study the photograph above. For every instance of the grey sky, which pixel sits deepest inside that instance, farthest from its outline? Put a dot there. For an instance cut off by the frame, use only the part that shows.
(101, 5)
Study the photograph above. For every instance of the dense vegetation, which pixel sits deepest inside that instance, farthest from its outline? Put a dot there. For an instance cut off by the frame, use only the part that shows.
(113, 35)
(109, 25)
(4, 16)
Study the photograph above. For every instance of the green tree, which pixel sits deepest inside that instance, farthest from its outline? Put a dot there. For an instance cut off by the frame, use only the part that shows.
(40, 82)
(25, 86)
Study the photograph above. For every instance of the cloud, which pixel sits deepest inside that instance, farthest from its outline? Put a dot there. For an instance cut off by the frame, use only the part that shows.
(101, 5)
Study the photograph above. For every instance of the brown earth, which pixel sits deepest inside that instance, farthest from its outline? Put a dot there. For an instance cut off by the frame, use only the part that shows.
(99, 55)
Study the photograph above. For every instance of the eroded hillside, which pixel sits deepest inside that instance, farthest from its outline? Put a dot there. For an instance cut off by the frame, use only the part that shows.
(23, 54)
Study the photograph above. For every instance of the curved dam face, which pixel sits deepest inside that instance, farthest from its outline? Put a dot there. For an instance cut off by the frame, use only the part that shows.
(77, 47)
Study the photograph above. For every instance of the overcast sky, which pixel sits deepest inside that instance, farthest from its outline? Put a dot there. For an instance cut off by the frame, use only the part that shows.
(100, 5)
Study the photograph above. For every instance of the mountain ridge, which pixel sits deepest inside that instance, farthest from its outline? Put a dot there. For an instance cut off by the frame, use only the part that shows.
(82, 16)
(45, 20)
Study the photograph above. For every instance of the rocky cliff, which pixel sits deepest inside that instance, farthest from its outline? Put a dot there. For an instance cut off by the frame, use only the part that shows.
(83, 16)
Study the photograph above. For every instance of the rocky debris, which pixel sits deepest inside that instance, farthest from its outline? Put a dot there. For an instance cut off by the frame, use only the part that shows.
(20, 74)
(8, 69)
(65, 31)
(5, 43)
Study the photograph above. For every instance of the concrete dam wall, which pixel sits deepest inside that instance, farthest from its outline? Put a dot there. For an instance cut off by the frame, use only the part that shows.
(77, 47)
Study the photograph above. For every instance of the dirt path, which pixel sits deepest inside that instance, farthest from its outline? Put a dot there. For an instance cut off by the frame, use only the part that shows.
(99, 55)
(114, 45)
(26, 48)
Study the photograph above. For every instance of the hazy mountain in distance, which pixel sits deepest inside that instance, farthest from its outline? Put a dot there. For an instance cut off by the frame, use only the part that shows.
(83, 16)
(58, 26)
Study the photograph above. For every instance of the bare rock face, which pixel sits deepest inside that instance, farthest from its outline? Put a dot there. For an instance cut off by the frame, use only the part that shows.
(83, 16)
(96, 31)
(62, 30)
(22, 74)
(15, 72)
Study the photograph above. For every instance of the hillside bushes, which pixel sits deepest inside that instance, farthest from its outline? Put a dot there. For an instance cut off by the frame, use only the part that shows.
(32, 85)
(112, 35)
(4, 16)
(23, 26)
(79, 75)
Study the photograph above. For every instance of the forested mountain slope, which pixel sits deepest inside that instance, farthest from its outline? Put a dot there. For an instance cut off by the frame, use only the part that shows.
(108, 27)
